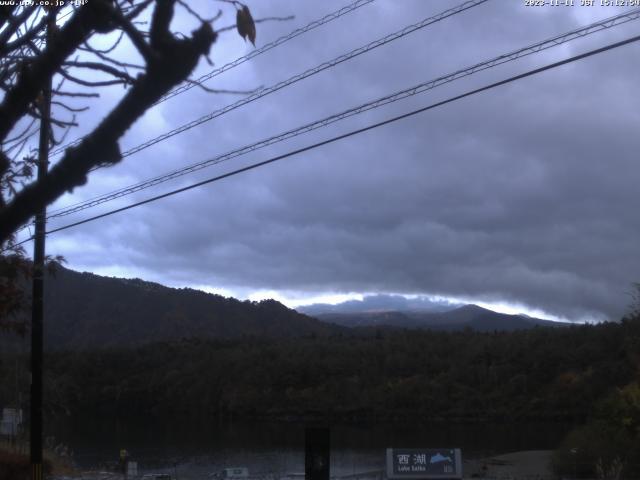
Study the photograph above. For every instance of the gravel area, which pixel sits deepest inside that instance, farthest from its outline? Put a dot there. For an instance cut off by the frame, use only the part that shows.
(529, 464)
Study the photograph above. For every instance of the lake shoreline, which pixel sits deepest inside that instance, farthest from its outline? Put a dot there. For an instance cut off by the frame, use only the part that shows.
(348, 418)
(519, 464)
(201, 449)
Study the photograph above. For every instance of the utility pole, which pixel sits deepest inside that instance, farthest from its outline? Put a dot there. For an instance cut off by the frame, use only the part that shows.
(38, 281)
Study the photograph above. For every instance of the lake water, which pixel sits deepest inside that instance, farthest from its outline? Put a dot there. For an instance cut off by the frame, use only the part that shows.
(195, 451)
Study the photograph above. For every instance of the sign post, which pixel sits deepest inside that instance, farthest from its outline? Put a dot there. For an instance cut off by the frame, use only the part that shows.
(424, 463)
(317, 453)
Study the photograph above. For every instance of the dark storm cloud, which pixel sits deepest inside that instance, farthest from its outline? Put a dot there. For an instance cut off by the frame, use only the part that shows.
(524, 194)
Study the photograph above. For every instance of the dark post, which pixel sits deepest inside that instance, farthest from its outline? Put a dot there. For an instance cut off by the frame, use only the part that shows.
(317, 448)
(38, 288)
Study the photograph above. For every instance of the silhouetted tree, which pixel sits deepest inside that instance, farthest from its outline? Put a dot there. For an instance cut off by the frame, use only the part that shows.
(42, 44)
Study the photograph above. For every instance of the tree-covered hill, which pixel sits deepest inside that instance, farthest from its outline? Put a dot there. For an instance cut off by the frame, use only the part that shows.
(541, 373)
(83, 310)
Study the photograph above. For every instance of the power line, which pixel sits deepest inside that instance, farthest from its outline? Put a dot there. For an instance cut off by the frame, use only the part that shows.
(308, 73)
(301, 76)
(355, 132)
(420, 88)
(254, 53)
(296, 78)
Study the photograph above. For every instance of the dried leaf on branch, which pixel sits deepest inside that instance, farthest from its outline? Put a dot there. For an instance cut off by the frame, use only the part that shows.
(245, 24)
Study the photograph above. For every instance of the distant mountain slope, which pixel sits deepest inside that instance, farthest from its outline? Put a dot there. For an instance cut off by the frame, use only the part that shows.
(468, 316)
(381, 302)
(83, 310)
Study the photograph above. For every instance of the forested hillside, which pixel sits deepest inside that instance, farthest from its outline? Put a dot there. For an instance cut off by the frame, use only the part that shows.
(83, 310)
(539, 373)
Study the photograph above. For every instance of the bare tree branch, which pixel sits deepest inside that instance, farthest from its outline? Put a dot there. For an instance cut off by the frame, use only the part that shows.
(62, 93)
(108, 59)
(90, 83)
(171, 63)
(14, 24)
(110, 49)
(138, 9)
(29, 60)
(60, 123)
(186, 6)
(103, 68)
(33, 77)
(135, 36)
(68, 108)
(216, 90)
(17, 137)
(26, 38)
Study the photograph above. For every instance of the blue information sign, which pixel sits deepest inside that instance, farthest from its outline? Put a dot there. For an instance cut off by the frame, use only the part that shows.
(413, 463)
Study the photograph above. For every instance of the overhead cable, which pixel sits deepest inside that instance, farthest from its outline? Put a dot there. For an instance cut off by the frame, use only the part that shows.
(394, 97)
(354, 132)
(254, 53)
(301, 76)
(265, 48)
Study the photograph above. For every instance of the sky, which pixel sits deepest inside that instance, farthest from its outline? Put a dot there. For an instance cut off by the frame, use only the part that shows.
(521, 198)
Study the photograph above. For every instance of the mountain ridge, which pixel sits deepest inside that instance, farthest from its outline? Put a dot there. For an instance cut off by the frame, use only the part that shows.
(85, 310)
(457, 317)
